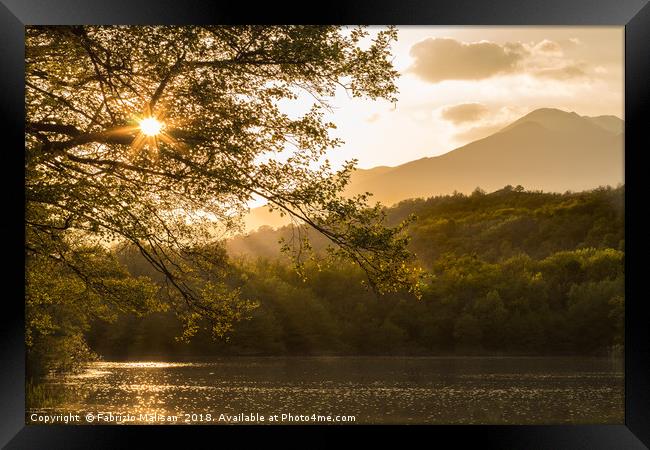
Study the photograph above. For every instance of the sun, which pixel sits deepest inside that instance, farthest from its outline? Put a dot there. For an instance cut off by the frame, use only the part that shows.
(151, 126)
(151, 130)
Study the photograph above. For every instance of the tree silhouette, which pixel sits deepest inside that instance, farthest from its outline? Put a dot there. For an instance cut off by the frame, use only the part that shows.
(159, 137)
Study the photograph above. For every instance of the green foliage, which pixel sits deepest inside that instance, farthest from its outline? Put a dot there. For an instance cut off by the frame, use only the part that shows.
(566, 299)
(63, 295)
(493, 226)
(510, 306)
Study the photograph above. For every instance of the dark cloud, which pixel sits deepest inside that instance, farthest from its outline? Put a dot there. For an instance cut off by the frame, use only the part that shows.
(465, 112)
(438, 59)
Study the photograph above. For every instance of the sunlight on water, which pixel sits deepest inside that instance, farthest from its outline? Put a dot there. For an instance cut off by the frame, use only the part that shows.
(141, 365)
(375, 390)
(91, 372)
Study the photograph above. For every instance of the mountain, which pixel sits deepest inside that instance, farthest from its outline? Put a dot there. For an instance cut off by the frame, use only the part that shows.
(609, 123)
(547, 149)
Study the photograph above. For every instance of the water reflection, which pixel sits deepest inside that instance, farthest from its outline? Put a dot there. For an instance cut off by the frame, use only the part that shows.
(375, 390)
(141, 364)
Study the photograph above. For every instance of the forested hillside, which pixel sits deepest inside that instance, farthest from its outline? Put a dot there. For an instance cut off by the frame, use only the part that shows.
(507, 272)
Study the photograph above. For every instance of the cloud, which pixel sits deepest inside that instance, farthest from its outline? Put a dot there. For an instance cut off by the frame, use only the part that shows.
(547, 46)
(438, 59)
(561, 73)
(491, 120)
(464, 112)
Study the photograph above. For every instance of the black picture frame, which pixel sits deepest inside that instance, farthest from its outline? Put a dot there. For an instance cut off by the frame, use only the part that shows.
(633, 14)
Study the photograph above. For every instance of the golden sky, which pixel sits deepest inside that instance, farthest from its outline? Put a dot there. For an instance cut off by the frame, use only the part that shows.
(459, 84)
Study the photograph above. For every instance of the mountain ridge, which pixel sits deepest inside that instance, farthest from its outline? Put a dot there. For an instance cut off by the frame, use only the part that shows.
(547, 149)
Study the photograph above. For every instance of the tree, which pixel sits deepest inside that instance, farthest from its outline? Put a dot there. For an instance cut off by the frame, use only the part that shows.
(64, 296)
(492, 314)
(159, 137)
(467, 330)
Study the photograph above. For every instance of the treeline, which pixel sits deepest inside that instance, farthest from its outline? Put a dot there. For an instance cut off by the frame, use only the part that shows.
(492, 226)
(508, 272)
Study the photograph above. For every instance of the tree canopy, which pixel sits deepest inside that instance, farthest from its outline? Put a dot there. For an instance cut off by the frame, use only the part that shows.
(510, 272)
(96, 176)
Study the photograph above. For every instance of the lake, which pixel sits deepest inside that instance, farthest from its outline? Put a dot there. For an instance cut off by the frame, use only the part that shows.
(388, 390)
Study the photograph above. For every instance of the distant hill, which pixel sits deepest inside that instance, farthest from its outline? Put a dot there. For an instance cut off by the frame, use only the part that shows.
(547, 149)
(493, 226)
(609, 123)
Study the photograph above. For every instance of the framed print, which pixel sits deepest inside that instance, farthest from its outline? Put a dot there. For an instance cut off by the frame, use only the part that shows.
(414, 218)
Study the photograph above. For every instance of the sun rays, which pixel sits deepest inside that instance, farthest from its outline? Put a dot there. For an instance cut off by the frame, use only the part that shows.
(152, 130)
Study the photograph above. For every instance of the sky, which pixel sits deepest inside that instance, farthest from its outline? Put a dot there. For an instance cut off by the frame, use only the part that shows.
(459, 84)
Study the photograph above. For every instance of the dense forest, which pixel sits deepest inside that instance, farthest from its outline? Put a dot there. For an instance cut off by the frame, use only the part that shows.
(509, 272)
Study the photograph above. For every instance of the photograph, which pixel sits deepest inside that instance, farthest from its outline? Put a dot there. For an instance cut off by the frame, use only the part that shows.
(324, 225)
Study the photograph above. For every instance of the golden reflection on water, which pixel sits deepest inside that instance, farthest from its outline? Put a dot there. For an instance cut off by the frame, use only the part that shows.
(142, 365)
(376, 390)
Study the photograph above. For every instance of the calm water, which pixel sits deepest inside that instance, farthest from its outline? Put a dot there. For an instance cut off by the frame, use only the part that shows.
(372, 389)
